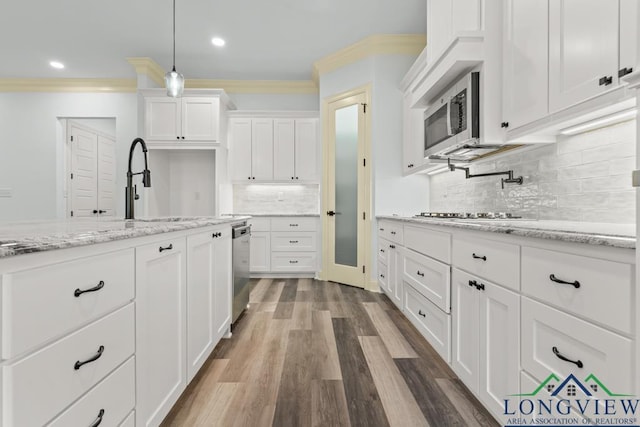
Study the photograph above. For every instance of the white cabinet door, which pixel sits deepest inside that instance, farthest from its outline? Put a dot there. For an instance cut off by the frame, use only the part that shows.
(200, 118)
(583, 50)
(201, 288)
(223, 284)
(499, 346)
(465, 312)
(240, 144)
(260, 252)
(629, 22)
(306, 150)
(160, 329)
(412, 136)
(284, 139)
(526, 49)
(262, 149)
(162, 118)
(395, 276)
(439, 23)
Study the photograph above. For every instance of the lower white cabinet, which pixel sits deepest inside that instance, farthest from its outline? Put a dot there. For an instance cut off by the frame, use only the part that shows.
(394, 282)
(486, 345)
(208, 294)
(161, 329)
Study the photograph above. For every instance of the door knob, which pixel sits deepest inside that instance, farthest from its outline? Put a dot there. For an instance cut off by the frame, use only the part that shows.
(331, 213)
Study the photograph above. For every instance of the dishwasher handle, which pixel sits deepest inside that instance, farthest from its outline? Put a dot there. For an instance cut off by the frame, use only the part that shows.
(241, 231)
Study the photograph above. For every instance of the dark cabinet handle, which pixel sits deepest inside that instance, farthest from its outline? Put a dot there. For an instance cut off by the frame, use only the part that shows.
(293, 225)
(382, 250)
(410, 165)
(575, 284)
(478, 286)
(293, 262)
(93, 358)
(166, 248)
(392, 246)
(79, 291)
(421, 313)
(293, 241)
(382, 229)
(177, 137)
(248, 177)
(214, 235)
(393, 232)
(296, 177)
(420, 274)
(95, 211)
(624, 71)
(102, 211)
(484, 258)
(183, 137)
(578, 363)
(504, 124)
(605, 81)
(382, 275)
(253, 177)
(98, 420)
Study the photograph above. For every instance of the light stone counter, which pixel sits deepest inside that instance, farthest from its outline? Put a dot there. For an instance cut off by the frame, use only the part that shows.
(24, 237)
(280, 214)
(592, 233)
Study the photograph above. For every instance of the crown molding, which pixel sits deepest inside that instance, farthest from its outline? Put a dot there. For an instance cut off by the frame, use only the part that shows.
(256, 86)
(381, 44)
(148, 67)
(68, 85)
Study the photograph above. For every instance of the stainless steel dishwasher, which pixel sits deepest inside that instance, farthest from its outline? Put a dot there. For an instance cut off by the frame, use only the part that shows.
(241, 233)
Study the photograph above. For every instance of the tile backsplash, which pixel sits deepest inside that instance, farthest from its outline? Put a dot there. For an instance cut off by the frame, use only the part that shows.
(276, 199)
(585, 177)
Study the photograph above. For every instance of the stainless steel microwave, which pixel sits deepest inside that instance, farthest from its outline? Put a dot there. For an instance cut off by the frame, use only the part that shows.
(453, 121)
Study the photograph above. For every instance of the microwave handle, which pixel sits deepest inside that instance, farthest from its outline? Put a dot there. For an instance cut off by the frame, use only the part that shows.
(449, 130)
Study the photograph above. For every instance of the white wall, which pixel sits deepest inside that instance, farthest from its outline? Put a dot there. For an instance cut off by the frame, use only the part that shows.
(268, 101)
(31, 158)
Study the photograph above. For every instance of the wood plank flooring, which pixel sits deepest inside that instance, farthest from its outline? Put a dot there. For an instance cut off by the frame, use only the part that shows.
(313, 353)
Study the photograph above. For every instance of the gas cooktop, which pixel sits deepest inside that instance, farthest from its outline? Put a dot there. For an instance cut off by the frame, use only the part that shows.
(468, 215)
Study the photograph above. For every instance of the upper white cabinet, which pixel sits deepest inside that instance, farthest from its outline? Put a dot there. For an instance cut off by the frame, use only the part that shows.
(412, 136)
(197, 117)
(525, 56)
(448, 19)
(583, 50)
(629, 22)
(267, 149)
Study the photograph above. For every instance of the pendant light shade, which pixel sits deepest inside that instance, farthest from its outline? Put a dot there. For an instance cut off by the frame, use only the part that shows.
(173, 80)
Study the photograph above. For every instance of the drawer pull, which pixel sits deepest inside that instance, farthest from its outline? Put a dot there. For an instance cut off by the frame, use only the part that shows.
(293, 262)
(166, 248)
(215, 235)
(393, 232)
(382, 275)
(382, 229)
(93, 358)
(382, 250)
(79, 292)
(420, 274)
(293, 225)
(421, 313)
(293, 241)
(578, 363)
(98, 420)
(575, 284)
(392, 246)
(484, 258)
(478, 286)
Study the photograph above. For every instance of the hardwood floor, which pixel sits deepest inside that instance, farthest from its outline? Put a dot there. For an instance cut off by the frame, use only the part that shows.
(312, 353)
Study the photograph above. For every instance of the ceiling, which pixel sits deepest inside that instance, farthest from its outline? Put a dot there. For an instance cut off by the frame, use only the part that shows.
(266, 39)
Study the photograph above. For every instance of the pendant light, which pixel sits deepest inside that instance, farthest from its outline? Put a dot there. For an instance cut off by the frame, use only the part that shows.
(173, 80)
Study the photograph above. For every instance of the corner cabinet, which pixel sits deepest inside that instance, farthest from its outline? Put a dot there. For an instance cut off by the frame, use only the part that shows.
(161, 328)
(195, 118)
(274, 147)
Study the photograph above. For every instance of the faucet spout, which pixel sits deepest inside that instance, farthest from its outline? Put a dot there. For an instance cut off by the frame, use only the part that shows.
(130, 193)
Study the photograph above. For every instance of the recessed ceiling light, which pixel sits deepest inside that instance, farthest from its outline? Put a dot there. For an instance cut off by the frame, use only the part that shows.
(56, 64)
(217, 41)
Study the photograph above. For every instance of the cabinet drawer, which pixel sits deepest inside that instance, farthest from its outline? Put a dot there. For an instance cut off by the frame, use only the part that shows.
(433, 323)
(49, 377)
(115, 395)
(50, 293)
(383, 251)
(602, 353)
(294, 224)
(391, 231)
(293, 261)
(291, 241)
(495, 261)
(435, 244)
(260, 224)
(429, 277)
(604, 292)
(383, 273)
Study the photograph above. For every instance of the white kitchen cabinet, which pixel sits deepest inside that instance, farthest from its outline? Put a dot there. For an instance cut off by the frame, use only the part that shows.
(252, 149)
(629, 46)
(583, 50)
(177, 119)
(486, 345)
(412, 136)
(284, 152)
(161, 332)
(260, 252)
(295, 150)
(306, 150)
(240, 142)
(395, 283)
(525, 61)
(208, 294)
(447, 19)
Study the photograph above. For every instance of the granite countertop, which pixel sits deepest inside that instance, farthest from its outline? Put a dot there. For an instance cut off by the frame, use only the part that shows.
(17, 238)
(277, 214)
(605, 234)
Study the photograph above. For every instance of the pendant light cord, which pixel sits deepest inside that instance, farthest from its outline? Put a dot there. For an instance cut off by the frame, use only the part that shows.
(174, 35)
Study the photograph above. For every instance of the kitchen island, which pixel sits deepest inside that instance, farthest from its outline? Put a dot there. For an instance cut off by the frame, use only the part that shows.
(107, 319)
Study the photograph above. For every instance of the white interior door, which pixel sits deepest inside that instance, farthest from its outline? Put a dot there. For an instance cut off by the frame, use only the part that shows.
(106, 176)
(346, 198)
(84, 172)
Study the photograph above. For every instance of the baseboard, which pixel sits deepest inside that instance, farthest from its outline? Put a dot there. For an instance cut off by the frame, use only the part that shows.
(283, 275)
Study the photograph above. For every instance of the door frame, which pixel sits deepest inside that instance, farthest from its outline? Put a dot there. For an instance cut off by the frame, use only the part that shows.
(365, 196)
